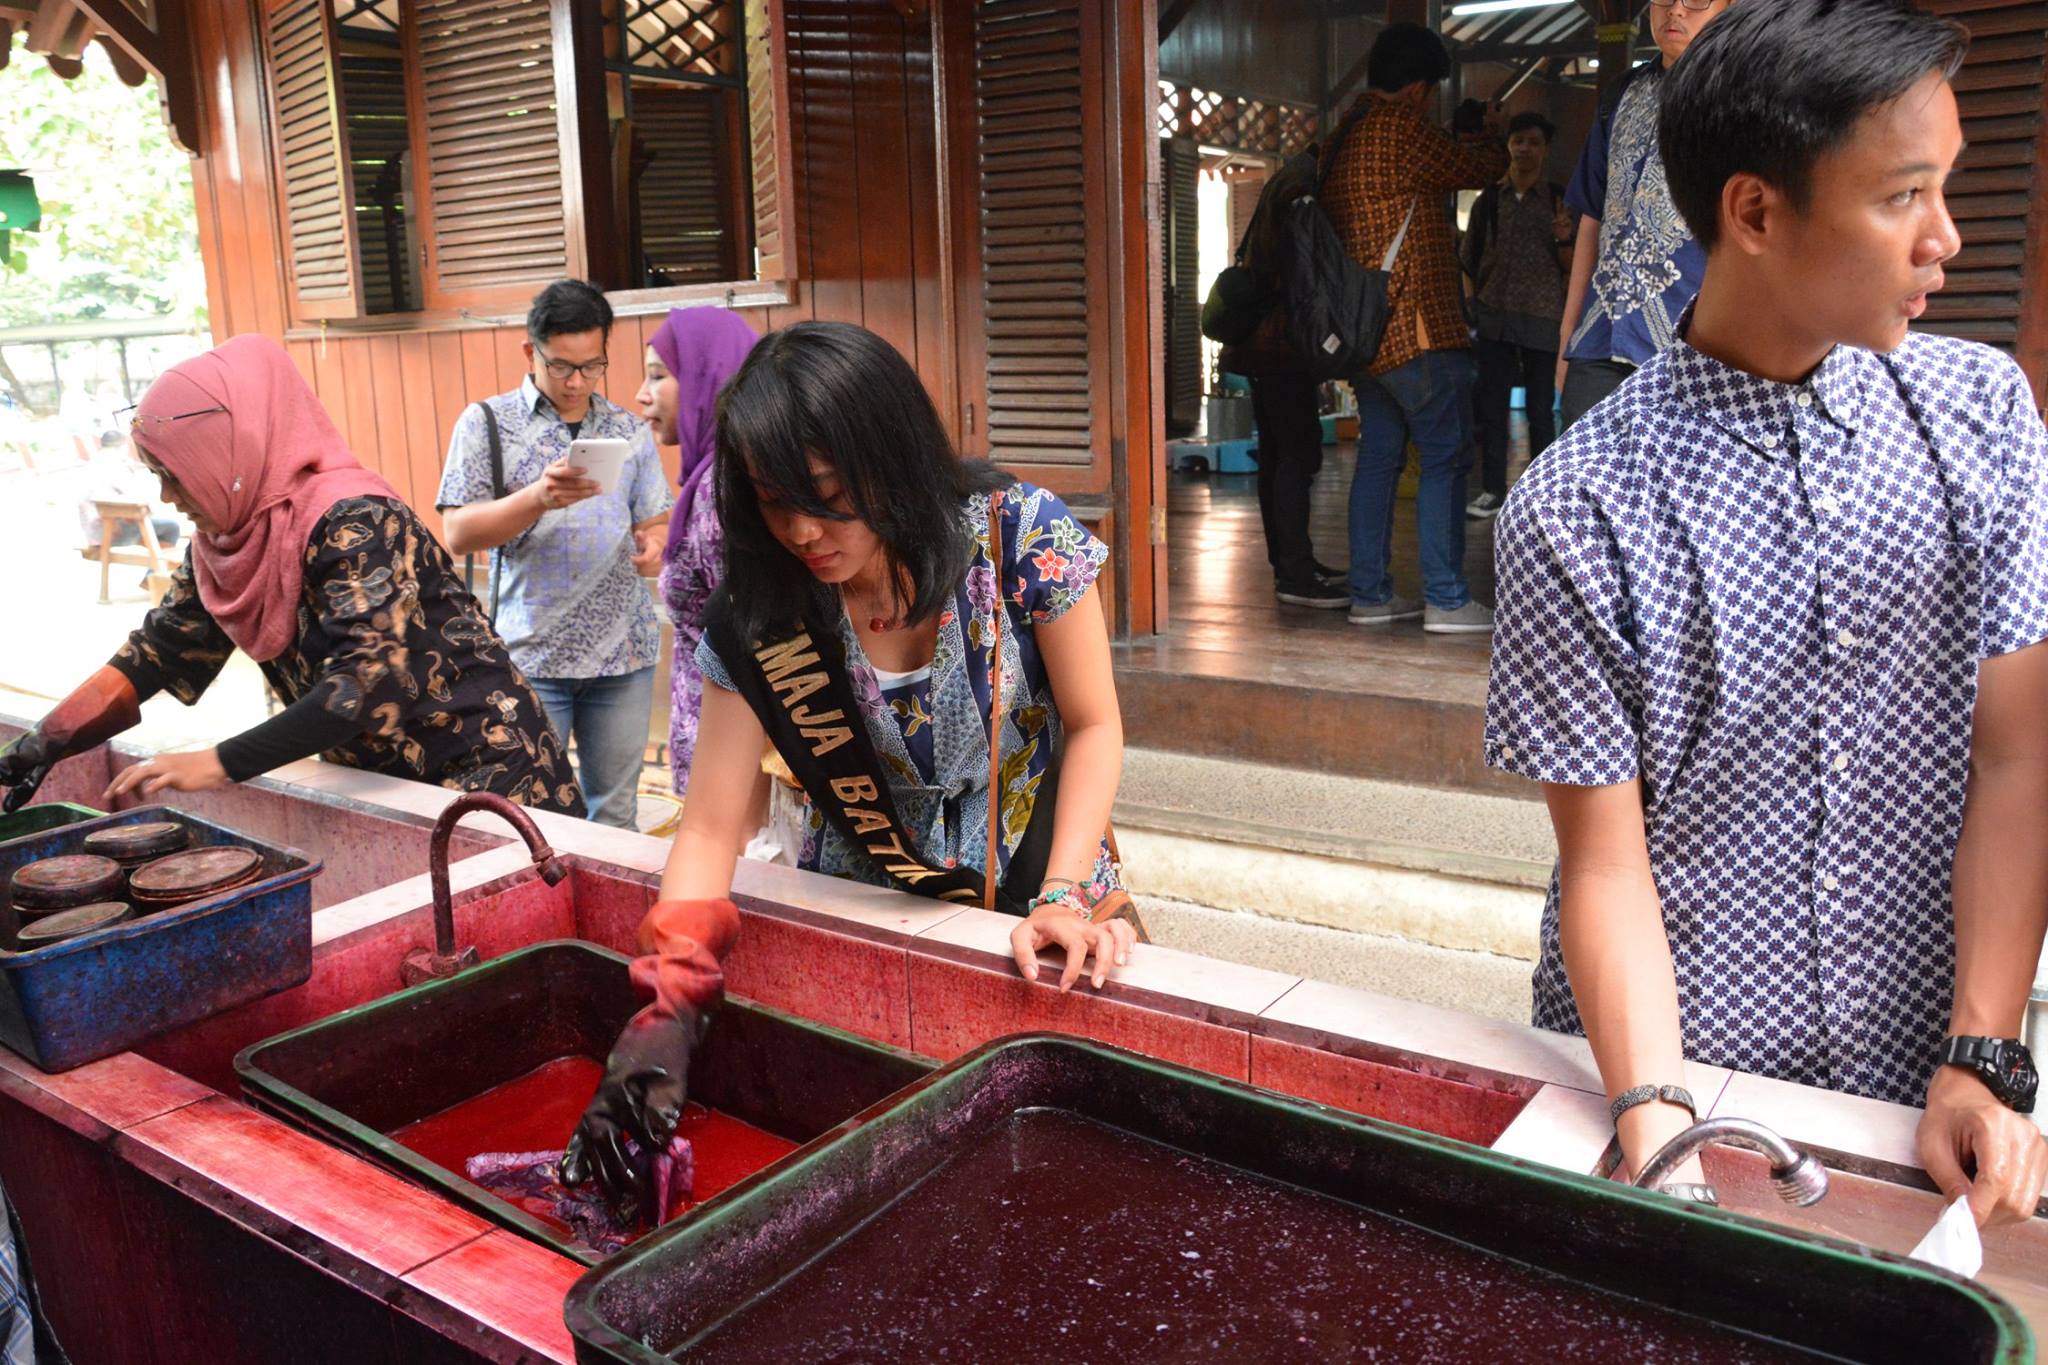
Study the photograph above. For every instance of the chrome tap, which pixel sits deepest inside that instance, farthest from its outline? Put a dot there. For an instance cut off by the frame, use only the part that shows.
(444, 960)
(1798, 1176)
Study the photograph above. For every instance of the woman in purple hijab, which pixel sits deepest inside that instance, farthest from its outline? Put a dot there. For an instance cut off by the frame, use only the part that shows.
(689, 359)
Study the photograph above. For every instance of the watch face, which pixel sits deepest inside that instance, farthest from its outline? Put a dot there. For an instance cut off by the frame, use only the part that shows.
(2017, 1080)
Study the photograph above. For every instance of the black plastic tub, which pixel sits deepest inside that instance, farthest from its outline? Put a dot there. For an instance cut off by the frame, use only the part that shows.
(46, 815)
(1048, 1198)
(358, 1077)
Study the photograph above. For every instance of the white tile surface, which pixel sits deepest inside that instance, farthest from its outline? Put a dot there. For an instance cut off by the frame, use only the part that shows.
(1850, 1124)
(414, 893)
(1469, 1039)
(1168, 971)
(1561, 1127)
(879, 907)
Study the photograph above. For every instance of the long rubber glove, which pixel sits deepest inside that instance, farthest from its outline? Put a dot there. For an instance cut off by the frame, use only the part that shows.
(102, 707)
(647, 1077)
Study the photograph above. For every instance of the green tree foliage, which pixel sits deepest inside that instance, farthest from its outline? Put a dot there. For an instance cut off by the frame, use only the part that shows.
(118, 237)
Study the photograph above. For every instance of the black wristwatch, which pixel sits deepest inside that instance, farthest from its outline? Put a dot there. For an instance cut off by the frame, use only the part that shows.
(2003, 1064)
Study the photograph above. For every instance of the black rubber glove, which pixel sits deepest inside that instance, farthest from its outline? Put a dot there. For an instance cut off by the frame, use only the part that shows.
(641, 1097)
(100, 708)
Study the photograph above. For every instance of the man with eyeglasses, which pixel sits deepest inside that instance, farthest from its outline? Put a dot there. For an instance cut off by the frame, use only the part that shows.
(571, 607)
(1636, 264)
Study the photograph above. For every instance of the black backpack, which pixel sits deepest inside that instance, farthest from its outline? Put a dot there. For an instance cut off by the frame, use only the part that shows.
(1336, 308)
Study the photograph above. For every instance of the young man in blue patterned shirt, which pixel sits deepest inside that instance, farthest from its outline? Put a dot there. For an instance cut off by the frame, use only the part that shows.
(1771, 624)
(572, 609)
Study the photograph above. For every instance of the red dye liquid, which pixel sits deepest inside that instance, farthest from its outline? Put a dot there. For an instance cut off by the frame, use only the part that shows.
(539, 1111)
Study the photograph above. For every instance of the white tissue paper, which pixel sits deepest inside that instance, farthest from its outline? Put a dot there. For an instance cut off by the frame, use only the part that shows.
(1952, 1243)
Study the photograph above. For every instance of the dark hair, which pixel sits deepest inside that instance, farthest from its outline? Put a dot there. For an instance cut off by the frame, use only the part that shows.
(566, 307)
(843, 394)
(1523, 122)
(1404, 54)
(1772, 86)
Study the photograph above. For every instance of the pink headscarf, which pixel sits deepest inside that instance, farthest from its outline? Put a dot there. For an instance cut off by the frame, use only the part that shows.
(265, 471)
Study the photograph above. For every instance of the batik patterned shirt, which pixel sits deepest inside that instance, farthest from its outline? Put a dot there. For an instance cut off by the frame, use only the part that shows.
(1649, 265)
(571, 605)
(935, 745)
(394, 668)
(1768, 603)
(688, 579)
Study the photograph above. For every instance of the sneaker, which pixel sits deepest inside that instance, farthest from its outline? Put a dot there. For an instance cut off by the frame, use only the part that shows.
(1395, 608)
(1474, 618)
(1330, 575)
(1322, 595)
(1484, 506)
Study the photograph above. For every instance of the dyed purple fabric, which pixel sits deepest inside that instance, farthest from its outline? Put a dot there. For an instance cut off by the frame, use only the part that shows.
(532, 1181)
(702, 348)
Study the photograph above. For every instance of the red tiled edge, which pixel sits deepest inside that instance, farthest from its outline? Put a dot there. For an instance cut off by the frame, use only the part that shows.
(369, 1213)
(1137, 997)
(1432, 1103)
(119, 1091)
(509, 1282)
(851, 977)
(1400, 1059)
(956, 1007)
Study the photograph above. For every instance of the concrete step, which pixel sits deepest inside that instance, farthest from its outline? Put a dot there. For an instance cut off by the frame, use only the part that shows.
(1458, 833)
(1426, 893)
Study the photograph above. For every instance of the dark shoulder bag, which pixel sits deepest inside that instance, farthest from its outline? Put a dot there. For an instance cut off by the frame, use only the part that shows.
(497, 493)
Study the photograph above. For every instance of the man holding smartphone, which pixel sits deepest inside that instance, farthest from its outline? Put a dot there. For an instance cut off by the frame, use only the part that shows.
(571, 607)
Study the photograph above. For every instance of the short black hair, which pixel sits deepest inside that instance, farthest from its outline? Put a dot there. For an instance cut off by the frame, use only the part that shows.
(1528, 119)
(1403, 54)
(1772, 86)
(566, 307)
(839, 392)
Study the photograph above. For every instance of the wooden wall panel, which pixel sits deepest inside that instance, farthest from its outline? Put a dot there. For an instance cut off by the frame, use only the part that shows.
(1214, 47)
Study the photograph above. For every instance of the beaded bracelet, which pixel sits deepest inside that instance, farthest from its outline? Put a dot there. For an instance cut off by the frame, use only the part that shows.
(1644, 1094)
(1066, 895)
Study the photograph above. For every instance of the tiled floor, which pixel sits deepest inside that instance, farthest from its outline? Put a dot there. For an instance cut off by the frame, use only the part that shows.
(1223, 616)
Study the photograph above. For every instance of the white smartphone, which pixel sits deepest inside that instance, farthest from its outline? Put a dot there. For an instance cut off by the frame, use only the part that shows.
(602, 458)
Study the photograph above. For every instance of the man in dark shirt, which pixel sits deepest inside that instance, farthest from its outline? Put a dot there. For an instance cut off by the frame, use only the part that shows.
(1387, 174)
(1516, 251)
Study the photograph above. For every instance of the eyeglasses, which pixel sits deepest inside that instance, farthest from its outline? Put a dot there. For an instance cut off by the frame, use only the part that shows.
(562, 369)
(1694, 5)
(152, 425)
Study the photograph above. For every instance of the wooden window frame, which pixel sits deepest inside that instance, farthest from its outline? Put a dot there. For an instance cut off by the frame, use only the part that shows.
(587, 205)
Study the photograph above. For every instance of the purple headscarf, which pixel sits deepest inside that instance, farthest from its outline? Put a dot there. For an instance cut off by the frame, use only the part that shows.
(702, 348)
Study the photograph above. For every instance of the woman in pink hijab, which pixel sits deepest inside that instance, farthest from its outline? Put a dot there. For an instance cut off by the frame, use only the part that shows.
(314, 567)
(689, 358)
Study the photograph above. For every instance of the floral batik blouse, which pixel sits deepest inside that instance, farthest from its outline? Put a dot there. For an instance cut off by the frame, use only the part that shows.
(394, 669)
(930, 728)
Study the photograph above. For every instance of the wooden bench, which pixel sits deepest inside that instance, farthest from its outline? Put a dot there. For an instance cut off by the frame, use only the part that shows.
(149, 555)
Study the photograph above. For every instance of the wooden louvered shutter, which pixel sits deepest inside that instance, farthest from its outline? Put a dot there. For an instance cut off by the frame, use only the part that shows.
(316, 195)
(378, 142)
(1991, 193)
(490, 157)
(768, 135)
(1036, 77)
(688, 228)
(1180, 164)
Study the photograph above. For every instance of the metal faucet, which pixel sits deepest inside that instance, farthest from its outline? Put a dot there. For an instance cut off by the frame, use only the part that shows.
(444, 960)
(1798, 1176)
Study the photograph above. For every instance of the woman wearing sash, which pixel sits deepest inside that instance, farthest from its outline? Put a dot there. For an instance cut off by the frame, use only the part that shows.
(886, 607)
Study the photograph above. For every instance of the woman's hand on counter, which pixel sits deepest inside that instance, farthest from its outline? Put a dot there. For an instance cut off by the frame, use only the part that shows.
(1109, 941)
(1966, 1129)
(193, 772)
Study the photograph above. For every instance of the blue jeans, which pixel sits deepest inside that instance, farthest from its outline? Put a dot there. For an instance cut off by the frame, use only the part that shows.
(1428, 401)
(609, 718)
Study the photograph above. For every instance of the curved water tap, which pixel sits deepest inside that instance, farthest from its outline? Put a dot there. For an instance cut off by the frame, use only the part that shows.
(444, 960)
(1798, 1176)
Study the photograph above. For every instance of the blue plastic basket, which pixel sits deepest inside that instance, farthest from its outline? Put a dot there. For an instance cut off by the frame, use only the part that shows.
(89, 997)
